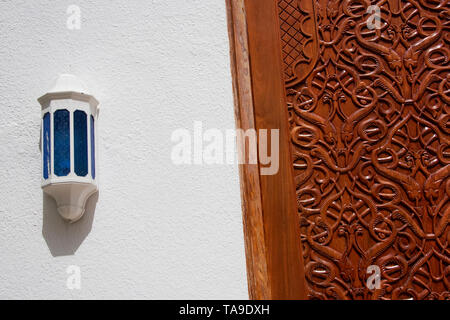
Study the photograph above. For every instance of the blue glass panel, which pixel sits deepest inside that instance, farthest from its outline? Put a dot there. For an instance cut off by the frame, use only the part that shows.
(92, 148)
(46, 146)
(80, 143)
(61, 155)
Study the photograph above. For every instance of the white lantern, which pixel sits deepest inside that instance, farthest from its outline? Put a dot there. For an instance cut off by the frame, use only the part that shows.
(68, 145)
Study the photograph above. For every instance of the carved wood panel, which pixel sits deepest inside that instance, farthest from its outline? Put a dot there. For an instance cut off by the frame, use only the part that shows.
(369, 121)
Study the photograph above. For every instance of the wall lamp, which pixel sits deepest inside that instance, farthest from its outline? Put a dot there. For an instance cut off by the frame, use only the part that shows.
(68, 145)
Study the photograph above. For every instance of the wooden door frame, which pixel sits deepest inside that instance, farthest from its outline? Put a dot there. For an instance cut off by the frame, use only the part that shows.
(271, 225)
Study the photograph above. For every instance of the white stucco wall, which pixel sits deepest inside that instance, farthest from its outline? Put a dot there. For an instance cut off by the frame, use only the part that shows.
(159, 231)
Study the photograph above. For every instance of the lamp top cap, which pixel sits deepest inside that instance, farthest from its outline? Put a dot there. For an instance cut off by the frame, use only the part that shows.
(68, 85)
(68, 82)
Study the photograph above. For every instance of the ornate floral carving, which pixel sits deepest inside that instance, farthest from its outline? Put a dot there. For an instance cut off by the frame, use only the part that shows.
(370, 122)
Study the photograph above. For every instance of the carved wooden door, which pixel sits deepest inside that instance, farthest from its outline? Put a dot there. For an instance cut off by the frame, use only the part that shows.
(368, 123)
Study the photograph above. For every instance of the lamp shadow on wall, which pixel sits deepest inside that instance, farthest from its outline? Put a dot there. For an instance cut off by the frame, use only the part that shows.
(63, 238)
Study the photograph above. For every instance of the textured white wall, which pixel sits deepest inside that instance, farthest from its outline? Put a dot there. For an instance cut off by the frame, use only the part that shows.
(159, 230)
